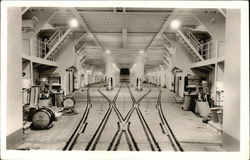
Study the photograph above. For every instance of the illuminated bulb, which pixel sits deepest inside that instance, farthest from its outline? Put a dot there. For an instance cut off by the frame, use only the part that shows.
(141, 51)
(108, 51)
(175, 24)
(73, 23)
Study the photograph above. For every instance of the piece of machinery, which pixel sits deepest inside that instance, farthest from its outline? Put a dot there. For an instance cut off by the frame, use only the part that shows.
(55, 89)
(44, 98)
(191, 89)
(55, 83)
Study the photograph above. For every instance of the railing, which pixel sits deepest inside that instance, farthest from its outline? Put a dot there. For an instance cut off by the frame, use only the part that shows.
(211, 50)
(44, 47)
(41, 48)
(193, 40)
(54, 38)
(195, 43)
(81, 48)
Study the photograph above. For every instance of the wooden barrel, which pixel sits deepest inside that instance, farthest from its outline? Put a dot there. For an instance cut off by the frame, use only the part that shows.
(43, 118)
(68, 102)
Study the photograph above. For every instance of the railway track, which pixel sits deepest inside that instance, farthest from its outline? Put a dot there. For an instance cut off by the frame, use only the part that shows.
(123, 125)
(80, 127)
(95, 138)
(150, 137)
(165, 126)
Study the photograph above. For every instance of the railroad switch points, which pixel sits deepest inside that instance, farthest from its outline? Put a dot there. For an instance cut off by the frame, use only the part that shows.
(124, 125)
(136, 105)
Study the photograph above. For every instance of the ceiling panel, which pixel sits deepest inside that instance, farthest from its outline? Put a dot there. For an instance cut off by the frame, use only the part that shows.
(115, 22)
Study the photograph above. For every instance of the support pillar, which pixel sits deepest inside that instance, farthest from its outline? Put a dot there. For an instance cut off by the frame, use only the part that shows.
(86, 78)
(231, 109)
(13, 94)
(140, 71)
(162, 76)
(109, 72)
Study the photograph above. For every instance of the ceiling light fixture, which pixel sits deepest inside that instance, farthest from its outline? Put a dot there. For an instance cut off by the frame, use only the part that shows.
(73, 23)
(108, 51)
(175, 24)
(141, 51)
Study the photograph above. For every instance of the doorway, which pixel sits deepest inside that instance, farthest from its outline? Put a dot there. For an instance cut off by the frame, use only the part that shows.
(111, 81)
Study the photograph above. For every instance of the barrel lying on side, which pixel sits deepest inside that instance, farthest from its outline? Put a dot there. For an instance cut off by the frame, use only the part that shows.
(43, 118)
(68, 102)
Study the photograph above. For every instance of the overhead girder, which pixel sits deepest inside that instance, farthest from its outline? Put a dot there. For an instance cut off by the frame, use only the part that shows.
(163, 28)
(124, 38)
(86, 28)
(25, 10)
(47, 21)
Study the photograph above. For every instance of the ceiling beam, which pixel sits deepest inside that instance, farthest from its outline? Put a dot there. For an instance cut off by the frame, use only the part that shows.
(25, 10)
(84, 25)
(222, 12)
(201, 23)
(210, 67)
(163, 28)
(47, 21)
(114, 11)
(130, 33)
(124, 38)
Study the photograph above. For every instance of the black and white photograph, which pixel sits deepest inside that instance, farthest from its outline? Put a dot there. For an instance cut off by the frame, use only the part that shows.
(125, 80)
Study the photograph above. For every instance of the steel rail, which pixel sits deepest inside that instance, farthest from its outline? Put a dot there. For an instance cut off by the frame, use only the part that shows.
(80, 127)
(114, 138)
(95, 138)
(173, 140)
(121, 130)
(132, 138)
(116, 141)
(123, 124)
(150, 137)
